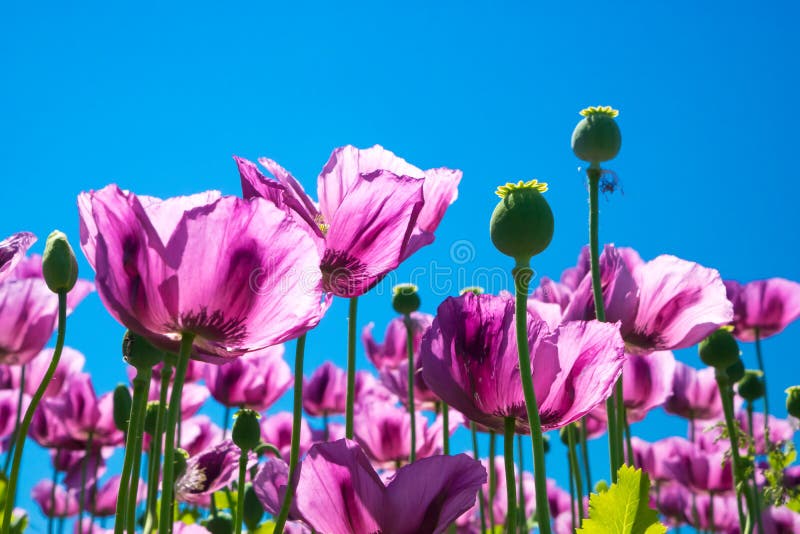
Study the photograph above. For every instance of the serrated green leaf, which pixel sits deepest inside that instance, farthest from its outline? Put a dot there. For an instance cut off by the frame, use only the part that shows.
(624, 508)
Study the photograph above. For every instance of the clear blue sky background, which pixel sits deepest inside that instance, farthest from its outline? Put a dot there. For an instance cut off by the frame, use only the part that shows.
(157, 99)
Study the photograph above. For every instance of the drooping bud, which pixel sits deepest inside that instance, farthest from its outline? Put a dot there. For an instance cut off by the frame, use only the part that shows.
(150, 416)
(720, 349)
(59, 266)
(138, 352)
(522, 223)
(751, 386)
(122, 407)
(793, 401)
(253, 509)
(597, 138)
(405, 299)
(736, 371)
(246, 433)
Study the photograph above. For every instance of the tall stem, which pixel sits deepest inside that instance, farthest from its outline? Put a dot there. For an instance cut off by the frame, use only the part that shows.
(297, 416)
(760, 358)
(585, 456)
(165, 518)
(522, 275)
(54, 480)
(573, 459)
(727, 406)
(492, 480)
(351, 368)
(239, 519)
(412, 409)
(82, 497)
(628, 440)
(756, 493)
(154, 469)
(445, 429)
(136, 470)
(511, 481)
(20, 399)
(475, 452)
(22, 431)
(521, 515)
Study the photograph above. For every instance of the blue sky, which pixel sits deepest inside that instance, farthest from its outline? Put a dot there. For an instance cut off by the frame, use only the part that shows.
(158, 98)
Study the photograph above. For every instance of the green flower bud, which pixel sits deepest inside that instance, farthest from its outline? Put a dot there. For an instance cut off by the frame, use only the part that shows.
(522, 223)
(405, 299)
(475, 290)
(601, 486)
(564, 434)
(138, 352)
(59, 266)
(122, 407)
(736, 371)
(596, 138)
(751, 386)
(222, 523)
(719, 350)
(253, 509)
(180, 460)
(793, 401)
(546, 443)
(246, 433)
(150, 416)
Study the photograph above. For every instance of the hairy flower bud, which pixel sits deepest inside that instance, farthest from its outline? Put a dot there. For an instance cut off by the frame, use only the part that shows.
(522, 223)
(59, 266)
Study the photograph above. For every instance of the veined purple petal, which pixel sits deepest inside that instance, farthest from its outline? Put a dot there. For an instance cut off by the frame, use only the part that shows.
(695, 394)
(12, 250)
(393, 352)
(764, 305)
(648, 382)
(255, 380)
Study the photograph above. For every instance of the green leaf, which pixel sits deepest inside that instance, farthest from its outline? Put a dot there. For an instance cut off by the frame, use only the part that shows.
(624, 508)
(267, 527)
(222, 500)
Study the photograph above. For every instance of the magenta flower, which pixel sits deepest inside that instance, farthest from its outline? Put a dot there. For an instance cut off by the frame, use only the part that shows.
(325, 393)
(695, 394)
(648, 382)
(552, 292)
(780, 521)
(209, 471)
(255, 381)
(395, 380)
(393, 352)
(198, 433)
(277, 430)
(338, 492)
(766, 306)
(66, 499)
(239, 275)
(469, 359)
(193, 396)
(721, 517)
(102, 501)
(375, 210)
(70, 364)
(8, 412)
(701, 470)
(12, 250)
(654, 457)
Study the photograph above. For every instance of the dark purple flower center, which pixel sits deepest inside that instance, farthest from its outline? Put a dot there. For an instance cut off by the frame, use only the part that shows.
(213, 326)
(342, 273)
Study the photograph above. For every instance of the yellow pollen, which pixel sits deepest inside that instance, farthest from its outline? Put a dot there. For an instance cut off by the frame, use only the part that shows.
(600, 110)
(321, 224)
(504, 190)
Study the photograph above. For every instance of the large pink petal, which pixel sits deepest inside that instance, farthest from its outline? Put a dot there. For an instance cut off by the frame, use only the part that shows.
(648, 382)
(28, 312)
(12, 250)
(440, 190)
(764, 305)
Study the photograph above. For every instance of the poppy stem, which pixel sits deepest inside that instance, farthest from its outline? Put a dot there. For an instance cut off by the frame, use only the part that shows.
(51, 516)
(154, 469)
(82, 496)
(165, 518)
(522, 519)
(727, 406)
(628, 440)
(477, 456)
(760, 359)
(351, 368)
(756, 495)
(133, 495)
(411, 367)
(297, 416)
(585, 456)
(492, 480)
(511, 482)
(445, 428)
(576, 469)
(239, 519)
(522, 276)
(20, 397)
(22, 431)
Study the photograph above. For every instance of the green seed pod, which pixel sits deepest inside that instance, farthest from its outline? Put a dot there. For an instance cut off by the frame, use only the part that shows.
(736, 371)
(405, 299)
(246, 433)
(59, 266)
(793, 401)
(138, 352)
(222, 523)
(253, 510)
(522, 223)
(475, 290)
(122, 407)
(751, 386)
(150, 416)
(719, 350)
(597, 138)
(180, 459)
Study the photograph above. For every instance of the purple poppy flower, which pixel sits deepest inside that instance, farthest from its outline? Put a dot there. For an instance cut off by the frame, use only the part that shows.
(375, 210)
(552, 292)
(209, 471)
(780, 431)
(673, 500)
(766, 306)
(393, 351)
(193, 396)
(66, 499)
(255, 381)
(277, 430)
(654, 457)
(780, 521)
(338, 492)
(198, 433)
(648, 382)
(71, 363)
(102, 501)
(701, 470)
(721, 517)
(469, 359)
(396, 382)
(239, 275)
(29, 311)
(87, 526)
(695, 394)
(12, 250)
(8, 411)
(326, 391)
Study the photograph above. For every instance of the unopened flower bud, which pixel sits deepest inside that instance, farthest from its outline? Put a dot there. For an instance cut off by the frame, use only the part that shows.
(219, 524)
(751, 386)
(150, 416)
(522, 223)
(736, 371)
(181, 458)
(405, 299)
(793, 401)
(719, 350)
(246, 433)
(59, 266)
(122, 407)
(597, 138)
(138, 352)
(253, 509)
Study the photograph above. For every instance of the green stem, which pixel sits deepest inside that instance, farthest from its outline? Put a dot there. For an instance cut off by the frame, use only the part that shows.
(522, 275)
(294, 453)
(629, 442)
(521, 516)
(26, 420)
(20, 399)
(82, 497)
(622, 421)
(760, 358)
(136, 470)
(445, 428)
(492, 480)
(511, 482)
(239, 519)
(140, 383)
(411, 367)
(154, 469)
(756, 494)
(351, 368)
(165, 518)
(481, 509)
(571, 478)
(727, 406)
(585, 456)
(573, 459)
(50, 522)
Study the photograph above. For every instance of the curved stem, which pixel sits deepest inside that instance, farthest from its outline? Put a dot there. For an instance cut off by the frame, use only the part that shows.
(351, 368)
(133, 492)
(22, 431)
(294, 453)
(239, 519)
(727, 406)
(585, 456)
(412, 408)
(165, 518)
(511, 481)
(760, 358)
(576, 468)
(445, 428)
(20, 399)
(82, 497)
(481, 508)
(54, 480)
(154, 470)
(126, 488)
(522, 275)
(492, 480)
